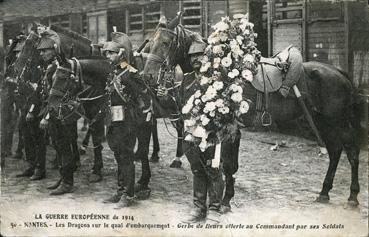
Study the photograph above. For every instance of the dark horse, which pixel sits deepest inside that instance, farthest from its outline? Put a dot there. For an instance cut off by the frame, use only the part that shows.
(82, 92)
(328, 95)
(29, 60)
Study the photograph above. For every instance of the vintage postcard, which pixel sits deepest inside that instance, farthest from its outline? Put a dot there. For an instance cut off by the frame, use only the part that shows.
(184, 118)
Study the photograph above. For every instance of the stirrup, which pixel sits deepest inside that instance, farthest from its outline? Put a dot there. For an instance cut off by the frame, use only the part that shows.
(266, 119)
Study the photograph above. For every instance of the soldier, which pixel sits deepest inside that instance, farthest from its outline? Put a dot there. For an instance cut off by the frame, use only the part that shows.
(63, 136)
(207, 181)
(8, 106)
(126, 107)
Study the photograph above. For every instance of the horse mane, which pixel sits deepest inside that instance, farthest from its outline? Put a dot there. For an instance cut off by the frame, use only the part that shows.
(185, 39)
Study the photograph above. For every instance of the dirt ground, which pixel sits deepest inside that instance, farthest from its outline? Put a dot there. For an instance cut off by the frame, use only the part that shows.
(272, 188)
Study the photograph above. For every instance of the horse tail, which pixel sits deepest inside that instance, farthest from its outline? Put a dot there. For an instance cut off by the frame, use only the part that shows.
(358, 111)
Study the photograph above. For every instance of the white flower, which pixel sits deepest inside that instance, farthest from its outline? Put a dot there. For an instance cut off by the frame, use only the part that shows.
(219, 103)
(212, 113)
(197, 94)
(233, 73)
(244, 107)
(218, 50)
(211, 92)
(204, 98)
(247, 74)
(189, 138)
(186, 109)
(239, 39)
(204, 59)
(204, 80)
(218, 85)
(249, 58)
(204, 120)
(203, 145)
(226, 61)
(197, 101)
(223, 36)
(213, 38)
(200, 131)
(236, 88)
(205, 67)
(236, 97)
(216, 62)
(189, 122)
(221, 26)
(209, 106)
(224, 110)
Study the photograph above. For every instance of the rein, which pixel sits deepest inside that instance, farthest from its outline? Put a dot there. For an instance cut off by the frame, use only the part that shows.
(77, 76)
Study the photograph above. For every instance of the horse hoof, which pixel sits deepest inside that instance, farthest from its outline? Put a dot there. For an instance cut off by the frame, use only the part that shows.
(154, 159)
(176, 164)
(322, 199)
(225, 209)
(353, 203)
(143, 194)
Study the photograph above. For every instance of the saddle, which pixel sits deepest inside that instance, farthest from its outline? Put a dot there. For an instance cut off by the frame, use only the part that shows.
(272, 71)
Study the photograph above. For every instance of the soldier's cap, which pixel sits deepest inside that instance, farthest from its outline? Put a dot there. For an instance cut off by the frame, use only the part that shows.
(111, 46)
(197, 47)
(119, 40)
(49, 40)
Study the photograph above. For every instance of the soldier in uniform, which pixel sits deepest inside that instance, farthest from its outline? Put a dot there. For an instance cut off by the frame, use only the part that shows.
(127, 105)
(207, 180)
(63, 136)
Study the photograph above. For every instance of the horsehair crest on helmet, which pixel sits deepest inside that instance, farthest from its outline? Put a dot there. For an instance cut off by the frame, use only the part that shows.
(120, 43)
(50, 39)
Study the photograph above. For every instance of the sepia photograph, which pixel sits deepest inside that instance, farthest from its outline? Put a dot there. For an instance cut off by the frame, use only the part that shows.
(183, 118)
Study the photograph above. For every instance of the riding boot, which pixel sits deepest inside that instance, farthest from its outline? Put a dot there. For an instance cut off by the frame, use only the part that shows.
(199, 199)
(116, 197)
(215, 192)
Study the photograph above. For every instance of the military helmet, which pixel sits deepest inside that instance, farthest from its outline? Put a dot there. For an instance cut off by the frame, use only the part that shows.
(111, 46)
(49, 40)
(119, 41)
(197, 47)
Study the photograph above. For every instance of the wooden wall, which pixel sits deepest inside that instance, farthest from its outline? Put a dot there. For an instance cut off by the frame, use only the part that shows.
(326, 33)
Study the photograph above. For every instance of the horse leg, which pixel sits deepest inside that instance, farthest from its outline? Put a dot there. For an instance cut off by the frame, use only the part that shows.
(155, 140)
(74, 145)
(97, 133)
(334, 147)
(143, 136)
(351, 146)
(83, 147)
(177, 163)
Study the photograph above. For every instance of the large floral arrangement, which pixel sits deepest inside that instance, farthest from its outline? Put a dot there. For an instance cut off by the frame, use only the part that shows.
(230, 59)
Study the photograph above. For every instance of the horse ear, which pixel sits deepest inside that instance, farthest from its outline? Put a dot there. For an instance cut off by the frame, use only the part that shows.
(173, 24)
(162, 22)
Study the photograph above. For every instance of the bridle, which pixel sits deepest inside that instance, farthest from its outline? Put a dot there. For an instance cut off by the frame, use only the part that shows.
(67, 99)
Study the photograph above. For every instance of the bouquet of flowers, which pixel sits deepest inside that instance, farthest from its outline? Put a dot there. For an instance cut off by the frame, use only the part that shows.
(230, 59)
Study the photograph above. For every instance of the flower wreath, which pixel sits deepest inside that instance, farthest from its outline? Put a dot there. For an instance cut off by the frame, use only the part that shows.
(230, 59)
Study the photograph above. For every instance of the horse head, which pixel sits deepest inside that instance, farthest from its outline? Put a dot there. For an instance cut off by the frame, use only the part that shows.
(168, 48)
(28, 58)
(73, 77)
